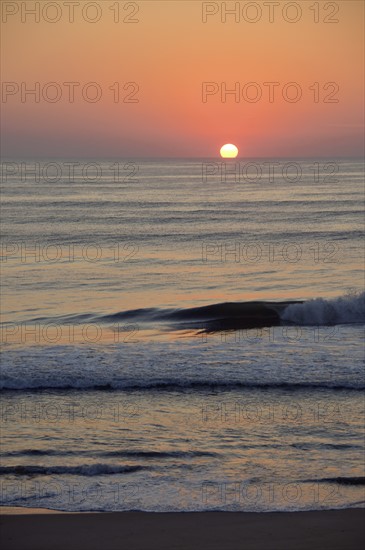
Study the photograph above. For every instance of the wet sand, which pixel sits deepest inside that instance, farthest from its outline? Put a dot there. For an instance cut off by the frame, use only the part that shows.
(28, 529)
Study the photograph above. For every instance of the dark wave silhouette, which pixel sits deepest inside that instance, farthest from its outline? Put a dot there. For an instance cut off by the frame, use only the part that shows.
(109, 454)
(82, 470)
(215, 317)
(176, 385)
(342, 480)
(347, 309)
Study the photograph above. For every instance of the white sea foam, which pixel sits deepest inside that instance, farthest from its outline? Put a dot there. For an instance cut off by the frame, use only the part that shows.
(343, 310)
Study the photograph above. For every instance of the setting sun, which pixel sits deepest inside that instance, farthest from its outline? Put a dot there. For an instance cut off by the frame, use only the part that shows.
(229, 151)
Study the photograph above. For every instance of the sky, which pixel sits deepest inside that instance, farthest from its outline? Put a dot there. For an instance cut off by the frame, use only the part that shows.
(298, 80)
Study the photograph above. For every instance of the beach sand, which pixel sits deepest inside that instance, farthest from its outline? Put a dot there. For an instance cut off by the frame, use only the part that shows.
(37, 530)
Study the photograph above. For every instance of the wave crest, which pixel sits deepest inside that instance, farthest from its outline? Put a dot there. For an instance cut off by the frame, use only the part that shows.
(82, 470)
(343, 310)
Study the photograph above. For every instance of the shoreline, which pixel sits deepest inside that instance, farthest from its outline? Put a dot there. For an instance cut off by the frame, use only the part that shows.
(29, 529)
(25, 510)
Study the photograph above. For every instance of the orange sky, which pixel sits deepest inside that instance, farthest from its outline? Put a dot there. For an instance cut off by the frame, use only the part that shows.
(170, 53)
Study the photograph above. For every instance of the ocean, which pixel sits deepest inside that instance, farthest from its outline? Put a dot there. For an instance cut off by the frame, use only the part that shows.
(182, 334)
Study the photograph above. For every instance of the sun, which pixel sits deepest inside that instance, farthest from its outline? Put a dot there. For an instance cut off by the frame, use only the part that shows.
(229, 151)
